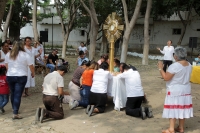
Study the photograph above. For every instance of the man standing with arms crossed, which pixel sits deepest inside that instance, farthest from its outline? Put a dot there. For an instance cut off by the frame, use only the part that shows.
(168, 54)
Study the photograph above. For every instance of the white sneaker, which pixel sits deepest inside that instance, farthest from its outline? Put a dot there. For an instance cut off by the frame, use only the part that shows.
(73, 104)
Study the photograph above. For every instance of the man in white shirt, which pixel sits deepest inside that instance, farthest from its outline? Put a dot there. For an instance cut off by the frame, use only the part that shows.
(83, 48)
(52, 87)
(168, 54)
(134, 92)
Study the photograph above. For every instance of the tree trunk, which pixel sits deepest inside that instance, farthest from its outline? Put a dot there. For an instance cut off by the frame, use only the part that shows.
(182, 35)
(120, 47)
(145, 58)
(126, 38)
(64, 45)
(14, 32)
(129, 27)
(7, 23)
(2, 9)
(101, 48)
(103, 45)
(185, 23)
(105, 49)
(34, 17)
(93, 37)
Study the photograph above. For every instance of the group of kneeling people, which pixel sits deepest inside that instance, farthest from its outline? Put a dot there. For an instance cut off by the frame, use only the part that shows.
(88, 89)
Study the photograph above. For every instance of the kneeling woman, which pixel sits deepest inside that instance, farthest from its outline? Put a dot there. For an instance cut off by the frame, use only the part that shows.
(74, 85)
(98, 92)
(134, 92)
(86, 83)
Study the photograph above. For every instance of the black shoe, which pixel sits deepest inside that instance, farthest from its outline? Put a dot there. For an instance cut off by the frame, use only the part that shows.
(149, 112)
(37, 114)
(91, 110)
(42, 115)
(143, 114)
(87, 109)
(2, 110)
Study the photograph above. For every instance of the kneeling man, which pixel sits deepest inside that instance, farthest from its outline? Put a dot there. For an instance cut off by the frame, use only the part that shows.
(52, 87)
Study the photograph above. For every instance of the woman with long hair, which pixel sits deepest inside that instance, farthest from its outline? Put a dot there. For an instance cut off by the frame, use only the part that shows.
(17, 62)
(74, 84)
(86, 83)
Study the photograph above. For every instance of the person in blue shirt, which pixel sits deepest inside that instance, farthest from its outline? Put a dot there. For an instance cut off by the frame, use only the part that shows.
(116, 65)
(197, 59)
(81, 58)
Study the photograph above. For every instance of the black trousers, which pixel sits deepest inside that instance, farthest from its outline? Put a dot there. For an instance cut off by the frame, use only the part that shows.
(133, 106)
(99, 100)
(166, 63)
(53, 109)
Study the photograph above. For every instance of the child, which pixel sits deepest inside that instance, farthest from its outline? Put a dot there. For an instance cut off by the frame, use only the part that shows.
(4, 89)
(116, 65)
(81, 58)
(103, 58)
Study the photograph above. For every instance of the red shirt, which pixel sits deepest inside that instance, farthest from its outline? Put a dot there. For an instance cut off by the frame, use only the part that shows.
(4, 89)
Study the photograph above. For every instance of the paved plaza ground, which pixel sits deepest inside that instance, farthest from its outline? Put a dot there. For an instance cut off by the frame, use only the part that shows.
(76, 121)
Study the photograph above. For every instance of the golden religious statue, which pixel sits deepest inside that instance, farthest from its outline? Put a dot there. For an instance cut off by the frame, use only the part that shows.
(112, 28)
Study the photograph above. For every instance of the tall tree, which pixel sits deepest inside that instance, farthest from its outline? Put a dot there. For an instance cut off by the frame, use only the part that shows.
(189, 8)
(2, 7)
(94, 26)
(8, 19)
(129, 27)
(66, 20)
(145, 58)
(21, 16)
(169, 7)
(102, 8)
(34, 20)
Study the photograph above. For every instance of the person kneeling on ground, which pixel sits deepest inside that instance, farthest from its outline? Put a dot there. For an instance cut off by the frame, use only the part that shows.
(86, 83)
(98, 92)
(52, 87)
(135, 93)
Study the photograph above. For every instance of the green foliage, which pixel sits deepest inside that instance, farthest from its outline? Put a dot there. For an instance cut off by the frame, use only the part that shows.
(169, 7)
(102, 7)
(43, 3)
(41, 16)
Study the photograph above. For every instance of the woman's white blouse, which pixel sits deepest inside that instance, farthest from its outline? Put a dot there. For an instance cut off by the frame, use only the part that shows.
(180, 82)
(100, 81)
(19, 66)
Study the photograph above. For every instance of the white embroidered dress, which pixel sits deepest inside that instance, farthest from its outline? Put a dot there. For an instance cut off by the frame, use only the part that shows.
(30, 81)
(178, 100)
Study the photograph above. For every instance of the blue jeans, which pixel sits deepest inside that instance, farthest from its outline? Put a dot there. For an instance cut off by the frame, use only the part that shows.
(51, 67)
(85, 92)
(4, 98)
(17, 85)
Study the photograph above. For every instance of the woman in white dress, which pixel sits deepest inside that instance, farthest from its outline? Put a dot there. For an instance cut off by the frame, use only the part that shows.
(32, 53)
(178, 100)
(3, 52)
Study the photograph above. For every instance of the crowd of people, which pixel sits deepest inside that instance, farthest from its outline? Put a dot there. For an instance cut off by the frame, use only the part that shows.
(89, 84)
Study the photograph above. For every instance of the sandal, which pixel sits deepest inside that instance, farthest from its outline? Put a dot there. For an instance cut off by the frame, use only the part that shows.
(167, 131)
(24, 95)
(16, 117)
(27, 94)
(178, 130)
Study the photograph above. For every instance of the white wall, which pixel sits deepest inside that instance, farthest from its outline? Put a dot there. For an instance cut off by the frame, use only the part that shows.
(161, 32)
